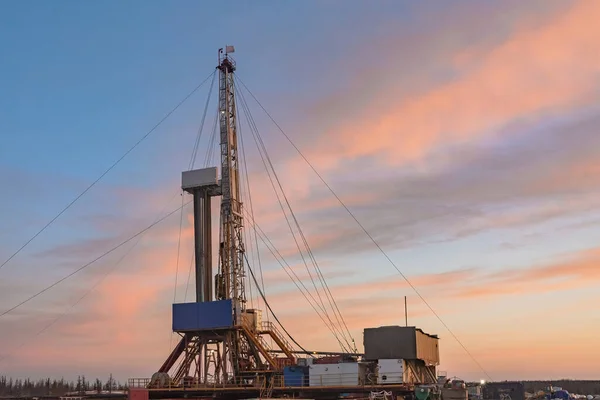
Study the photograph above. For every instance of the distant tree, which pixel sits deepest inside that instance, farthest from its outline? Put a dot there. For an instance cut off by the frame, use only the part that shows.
(45, 386)
(98, 386)
(113, 384)
(109, 383)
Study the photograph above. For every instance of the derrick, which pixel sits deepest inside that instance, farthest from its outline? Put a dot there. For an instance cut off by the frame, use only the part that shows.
(222, 342)
(226, 350)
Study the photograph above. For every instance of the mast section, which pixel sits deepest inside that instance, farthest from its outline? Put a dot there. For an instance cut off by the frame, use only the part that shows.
(222, 343)
(230, 280)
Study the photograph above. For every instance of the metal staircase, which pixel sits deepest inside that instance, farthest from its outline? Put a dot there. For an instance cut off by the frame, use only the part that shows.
(260, 344)
(268, 328)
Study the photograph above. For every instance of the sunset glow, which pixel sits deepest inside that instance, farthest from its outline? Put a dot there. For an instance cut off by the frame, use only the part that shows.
(464, 137)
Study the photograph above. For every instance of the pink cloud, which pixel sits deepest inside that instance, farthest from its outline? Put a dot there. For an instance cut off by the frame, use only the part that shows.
(543, 67)
(576, 271)
(536, 71)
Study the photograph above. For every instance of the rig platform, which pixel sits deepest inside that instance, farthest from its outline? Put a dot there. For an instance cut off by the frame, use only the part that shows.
(139, 391)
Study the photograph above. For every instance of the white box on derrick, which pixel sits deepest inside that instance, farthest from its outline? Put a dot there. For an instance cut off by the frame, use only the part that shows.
(199, 178)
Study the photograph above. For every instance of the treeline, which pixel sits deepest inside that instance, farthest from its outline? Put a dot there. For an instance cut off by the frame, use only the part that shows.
(53, 387)
(572, 386)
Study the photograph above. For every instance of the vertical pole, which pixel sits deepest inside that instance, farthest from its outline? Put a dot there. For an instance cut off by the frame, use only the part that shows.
(405, 312)
(199, 244)
(208, 274)
(202, 245)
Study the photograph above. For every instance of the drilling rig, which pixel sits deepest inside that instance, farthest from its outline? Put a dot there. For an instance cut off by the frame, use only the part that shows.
(222, 342)
(223, 352)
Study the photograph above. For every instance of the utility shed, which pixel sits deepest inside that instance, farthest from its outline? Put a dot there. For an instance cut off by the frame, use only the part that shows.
(401, 342)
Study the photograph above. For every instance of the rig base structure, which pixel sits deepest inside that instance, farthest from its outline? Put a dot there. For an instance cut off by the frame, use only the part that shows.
(139, 391)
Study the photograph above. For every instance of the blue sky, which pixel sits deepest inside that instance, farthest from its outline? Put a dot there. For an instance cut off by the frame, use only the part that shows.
(462, 136)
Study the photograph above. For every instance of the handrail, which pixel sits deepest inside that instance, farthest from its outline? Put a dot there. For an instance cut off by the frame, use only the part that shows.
(256, 339)
(138, 383)
(269, 326)
(348, 380)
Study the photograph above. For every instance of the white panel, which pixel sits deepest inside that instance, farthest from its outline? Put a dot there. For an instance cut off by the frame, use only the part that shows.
(199, 178)
(324, 375)
(333, 374)
(391, 371)
(349, 373)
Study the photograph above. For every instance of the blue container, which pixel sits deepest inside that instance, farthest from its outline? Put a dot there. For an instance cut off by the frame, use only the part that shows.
(295, 376)
(210, 315)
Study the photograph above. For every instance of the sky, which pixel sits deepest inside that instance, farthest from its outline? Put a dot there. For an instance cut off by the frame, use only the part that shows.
(463, 136)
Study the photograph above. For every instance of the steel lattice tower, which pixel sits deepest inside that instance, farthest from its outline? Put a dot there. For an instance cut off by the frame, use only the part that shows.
(221, 340)
(230, 281)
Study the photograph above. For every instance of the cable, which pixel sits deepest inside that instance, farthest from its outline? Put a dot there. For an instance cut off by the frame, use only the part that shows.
(283, 263)
(106, 171)
(271, 310)
(366, 232)
(178, 249)
(177, 262)
(328, 293)
(90, 290)
(200, 129)
(187, 285)
(91, 262)
(322, 304)
(329, 296)
(67, 310)
(211, 144)
(246, 175)
(190, 167)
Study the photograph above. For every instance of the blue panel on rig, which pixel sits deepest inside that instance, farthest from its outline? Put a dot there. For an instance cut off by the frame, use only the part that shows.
(295, 376)
(202, 316)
